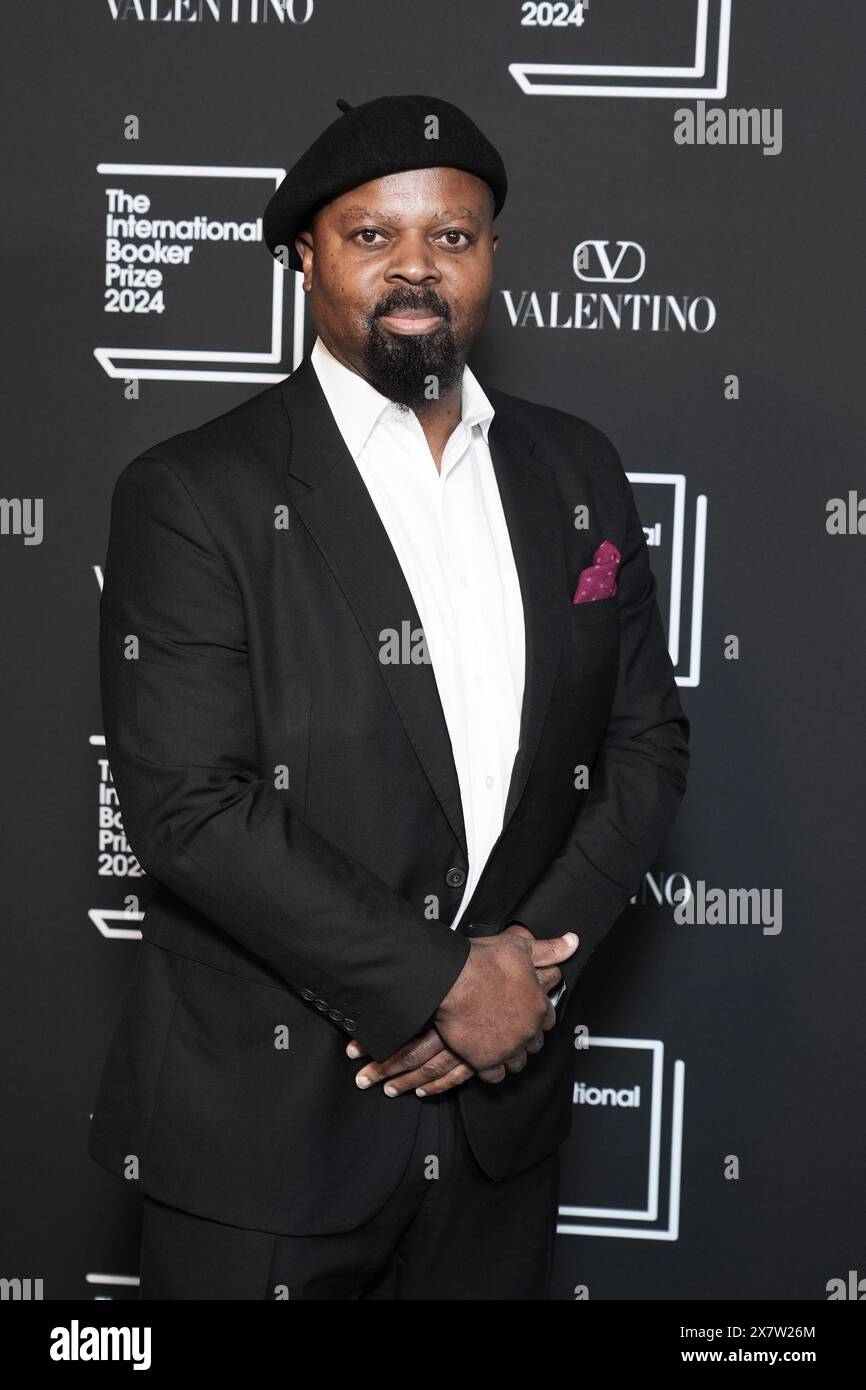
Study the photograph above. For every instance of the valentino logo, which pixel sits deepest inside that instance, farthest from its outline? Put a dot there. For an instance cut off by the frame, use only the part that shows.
(593, 262)
(609, 264)
(213, 11)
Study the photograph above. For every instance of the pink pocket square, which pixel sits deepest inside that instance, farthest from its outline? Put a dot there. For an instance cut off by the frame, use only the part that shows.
(598, 580)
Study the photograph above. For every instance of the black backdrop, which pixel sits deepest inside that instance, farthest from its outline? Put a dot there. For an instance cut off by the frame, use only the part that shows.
(728, 1161)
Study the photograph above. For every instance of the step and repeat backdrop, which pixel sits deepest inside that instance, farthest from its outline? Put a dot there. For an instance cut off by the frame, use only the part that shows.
(679, 256)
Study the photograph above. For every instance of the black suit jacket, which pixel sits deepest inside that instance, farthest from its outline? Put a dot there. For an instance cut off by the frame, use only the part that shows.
(248, 588)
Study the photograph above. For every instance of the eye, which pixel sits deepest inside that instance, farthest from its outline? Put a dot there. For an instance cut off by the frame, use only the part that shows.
(364, 231)
(455, 231)
(367, 237)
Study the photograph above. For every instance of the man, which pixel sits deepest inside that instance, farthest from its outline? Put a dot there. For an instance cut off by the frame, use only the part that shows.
(395, 733)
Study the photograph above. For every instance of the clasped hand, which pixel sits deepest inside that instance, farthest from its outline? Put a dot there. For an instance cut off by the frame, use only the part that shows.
(494, 1016)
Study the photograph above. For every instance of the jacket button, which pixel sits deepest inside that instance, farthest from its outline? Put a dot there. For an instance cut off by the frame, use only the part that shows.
(350, 1025)
(335, 1014)
(307, 994)
(455, 878)
(321, 1004)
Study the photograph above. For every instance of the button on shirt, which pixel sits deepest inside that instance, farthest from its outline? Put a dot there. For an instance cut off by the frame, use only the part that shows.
(449, 533)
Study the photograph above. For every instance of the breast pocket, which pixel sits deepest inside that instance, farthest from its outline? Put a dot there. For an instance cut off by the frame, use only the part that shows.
(591, 648)
(595, 611)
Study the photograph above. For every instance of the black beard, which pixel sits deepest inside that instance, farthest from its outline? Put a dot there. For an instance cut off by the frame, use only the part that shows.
(400, 365)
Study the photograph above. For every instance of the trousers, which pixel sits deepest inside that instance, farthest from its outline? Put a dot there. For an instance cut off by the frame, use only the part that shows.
(448, 1231)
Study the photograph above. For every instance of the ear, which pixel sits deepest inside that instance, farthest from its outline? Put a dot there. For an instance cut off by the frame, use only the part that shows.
(304, 249)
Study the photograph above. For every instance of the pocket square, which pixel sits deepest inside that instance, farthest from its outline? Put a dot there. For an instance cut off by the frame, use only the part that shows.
(598, 580)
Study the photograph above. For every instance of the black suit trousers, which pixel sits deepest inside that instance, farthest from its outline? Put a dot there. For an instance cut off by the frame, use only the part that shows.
(447, 1231)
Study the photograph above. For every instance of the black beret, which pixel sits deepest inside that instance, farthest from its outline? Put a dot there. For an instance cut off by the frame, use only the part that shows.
(383, 136)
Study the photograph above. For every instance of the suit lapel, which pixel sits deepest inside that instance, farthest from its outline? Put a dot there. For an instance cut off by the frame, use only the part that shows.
(342, 519)
(534, 518)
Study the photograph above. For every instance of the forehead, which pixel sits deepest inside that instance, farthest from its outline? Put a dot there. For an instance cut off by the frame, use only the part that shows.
(414, 194)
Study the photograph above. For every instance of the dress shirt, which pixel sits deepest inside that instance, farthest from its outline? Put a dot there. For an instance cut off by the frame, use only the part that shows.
(449, 533)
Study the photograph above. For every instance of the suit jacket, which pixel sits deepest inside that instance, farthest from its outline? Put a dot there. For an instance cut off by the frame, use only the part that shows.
(295, 801)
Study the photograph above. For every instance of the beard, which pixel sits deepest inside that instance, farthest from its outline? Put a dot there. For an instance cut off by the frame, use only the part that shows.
(401, 365)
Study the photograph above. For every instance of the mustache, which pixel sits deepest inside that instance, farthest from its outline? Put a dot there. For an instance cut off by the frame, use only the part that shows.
(423, 303)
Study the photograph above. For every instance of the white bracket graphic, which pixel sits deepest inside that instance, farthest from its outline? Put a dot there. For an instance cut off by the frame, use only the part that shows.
(128, 1281)
(102, 917)
(639, 80)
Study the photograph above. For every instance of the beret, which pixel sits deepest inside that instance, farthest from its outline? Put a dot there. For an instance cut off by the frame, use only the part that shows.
(384, 136)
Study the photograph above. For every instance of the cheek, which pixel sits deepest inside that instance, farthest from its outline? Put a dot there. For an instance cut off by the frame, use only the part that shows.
(467, 317)
(335, 301)
(472, 299)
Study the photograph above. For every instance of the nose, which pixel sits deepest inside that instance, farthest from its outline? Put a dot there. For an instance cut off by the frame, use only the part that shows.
(413, 260)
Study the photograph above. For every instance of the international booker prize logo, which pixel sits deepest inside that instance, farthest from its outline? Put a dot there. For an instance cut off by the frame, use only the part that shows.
(677, 550)
(190, 292)
(626, 48)
(115, 857)
(622, 1162)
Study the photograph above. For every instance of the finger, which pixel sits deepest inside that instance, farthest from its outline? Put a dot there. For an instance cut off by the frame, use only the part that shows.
(455, 1077)
(406, 1058)
(537, 1042)
(548, 976)
(517, 1062)
(355, 1049)
(432, 1070)
(493, 1075)
(554, 949)
(549, 1017)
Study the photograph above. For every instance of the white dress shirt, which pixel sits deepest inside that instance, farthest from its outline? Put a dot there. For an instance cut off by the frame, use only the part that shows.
(449, 534)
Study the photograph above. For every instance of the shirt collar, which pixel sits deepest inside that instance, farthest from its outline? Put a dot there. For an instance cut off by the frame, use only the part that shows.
(357, 406)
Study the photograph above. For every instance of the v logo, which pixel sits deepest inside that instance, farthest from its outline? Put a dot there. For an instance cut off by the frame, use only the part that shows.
(590, 255)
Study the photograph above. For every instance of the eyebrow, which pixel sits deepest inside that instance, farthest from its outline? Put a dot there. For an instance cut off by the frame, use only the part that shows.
(354, 213)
